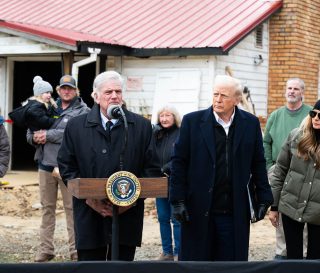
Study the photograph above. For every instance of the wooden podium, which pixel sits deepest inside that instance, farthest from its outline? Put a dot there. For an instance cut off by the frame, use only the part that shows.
(95, 188)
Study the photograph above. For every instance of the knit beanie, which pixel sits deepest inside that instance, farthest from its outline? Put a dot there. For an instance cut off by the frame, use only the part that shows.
(317, 105)
(40, 86)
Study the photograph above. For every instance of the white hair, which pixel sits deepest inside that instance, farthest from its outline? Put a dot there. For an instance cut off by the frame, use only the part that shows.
(230, 81)
(105, 77)
(171, 109)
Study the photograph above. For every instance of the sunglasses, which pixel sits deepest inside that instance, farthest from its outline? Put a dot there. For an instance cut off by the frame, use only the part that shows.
(314, 113)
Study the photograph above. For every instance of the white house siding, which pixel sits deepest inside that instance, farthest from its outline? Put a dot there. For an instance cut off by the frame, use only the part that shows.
(147, 70)
(255, 77)
(14, 45)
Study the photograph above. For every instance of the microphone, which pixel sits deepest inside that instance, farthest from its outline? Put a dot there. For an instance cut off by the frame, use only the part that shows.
(114, 111)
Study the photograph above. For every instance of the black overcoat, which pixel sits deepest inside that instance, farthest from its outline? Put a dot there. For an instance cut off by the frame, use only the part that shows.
(86, 153)
(193, 176)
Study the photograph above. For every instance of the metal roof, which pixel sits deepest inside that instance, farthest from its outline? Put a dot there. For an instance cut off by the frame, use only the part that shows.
(137, 24)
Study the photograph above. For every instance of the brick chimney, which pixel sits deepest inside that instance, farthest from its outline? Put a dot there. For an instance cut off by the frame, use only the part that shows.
(294, 50)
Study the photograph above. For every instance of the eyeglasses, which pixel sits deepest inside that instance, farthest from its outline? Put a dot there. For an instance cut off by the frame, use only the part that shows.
(313, 114)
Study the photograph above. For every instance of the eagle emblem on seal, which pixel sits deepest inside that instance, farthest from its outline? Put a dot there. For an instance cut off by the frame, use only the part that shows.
(123, 187)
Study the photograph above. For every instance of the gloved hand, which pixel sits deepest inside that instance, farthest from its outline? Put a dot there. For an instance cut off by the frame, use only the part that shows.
(179, 211)
(166, 169)
(262, 210)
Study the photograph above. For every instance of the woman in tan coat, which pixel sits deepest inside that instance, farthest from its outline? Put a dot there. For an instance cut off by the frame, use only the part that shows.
(296, 187)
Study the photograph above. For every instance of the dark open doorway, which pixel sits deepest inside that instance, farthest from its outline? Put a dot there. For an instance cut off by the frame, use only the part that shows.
(24, 72)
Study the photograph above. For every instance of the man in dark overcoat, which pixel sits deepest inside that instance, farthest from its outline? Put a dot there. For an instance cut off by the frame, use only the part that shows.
(219, 152)
(90, 150)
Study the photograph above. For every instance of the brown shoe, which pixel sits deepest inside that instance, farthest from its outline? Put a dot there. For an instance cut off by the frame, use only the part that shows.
(74, 257)
(43, 257)
(166, 257)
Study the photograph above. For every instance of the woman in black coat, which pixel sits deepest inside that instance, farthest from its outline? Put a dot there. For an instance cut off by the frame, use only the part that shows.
(166, 132)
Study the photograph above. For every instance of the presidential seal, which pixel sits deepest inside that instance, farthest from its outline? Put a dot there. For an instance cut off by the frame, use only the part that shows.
(123, 188)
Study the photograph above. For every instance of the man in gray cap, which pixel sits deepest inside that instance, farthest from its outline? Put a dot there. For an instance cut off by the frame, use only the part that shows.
(48, 143)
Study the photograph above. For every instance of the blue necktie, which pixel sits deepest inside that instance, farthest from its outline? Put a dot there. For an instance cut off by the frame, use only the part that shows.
(108, 129)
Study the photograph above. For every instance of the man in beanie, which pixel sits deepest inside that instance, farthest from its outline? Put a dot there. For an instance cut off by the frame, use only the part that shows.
(280, 123)
(48, 142)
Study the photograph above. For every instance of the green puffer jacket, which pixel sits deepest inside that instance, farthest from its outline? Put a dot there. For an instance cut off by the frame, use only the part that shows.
(295, 183)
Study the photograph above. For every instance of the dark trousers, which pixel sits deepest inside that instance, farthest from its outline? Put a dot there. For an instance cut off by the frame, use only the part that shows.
(222, 241)
(126, 253)
(293, 232)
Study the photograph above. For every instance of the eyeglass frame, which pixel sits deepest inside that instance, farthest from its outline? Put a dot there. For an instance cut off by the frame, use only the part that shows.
(313, 114)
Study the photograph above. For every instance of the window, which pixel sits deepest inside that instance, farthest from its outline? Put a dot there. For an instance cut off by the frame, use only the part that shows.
(259, 36)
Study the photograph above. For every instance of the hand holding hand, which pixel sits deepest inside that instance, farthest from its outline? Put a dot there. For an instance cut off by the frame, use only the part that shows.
(40, 137)
(179, 211)
(103, 207)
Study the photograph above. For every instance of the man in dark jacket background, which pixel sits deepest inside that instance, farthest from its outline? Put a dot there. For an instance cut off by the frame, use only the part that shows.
(89, 149)
(219, 151)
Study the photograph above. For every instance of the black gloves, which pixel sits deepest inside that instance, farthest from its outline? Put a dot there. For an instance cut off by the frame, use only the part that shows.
(262, 210)
(166, 169)
(179, 211)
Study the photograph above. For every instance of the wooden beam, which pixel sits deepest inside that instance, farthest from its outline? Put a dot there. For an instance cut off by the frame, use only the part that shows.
(67, 59)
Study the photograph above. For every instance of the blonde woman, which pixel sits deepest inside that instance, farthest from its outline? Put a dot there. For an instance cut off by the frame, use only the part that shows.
(296, 187)
(166, 132)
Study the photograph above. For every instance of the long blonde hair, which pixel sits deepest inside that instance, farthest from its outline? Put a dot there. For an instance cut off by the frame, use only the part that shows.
(308, 147)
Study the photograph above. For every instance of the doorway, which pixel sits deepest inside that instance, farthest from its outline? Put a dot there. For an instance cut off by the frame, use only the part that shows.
(24, 72)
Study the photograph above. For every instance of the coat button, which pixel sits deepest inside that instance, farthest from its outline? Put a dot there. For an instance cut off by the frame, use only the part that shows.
(310, 183)
(299, 219)
(210, 190)
(104, 151)
(206, 214)
(305, 201)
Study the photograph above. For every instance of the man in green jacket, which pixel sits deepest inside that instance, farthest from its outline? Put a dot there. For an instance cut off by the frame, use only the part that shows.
(280, 123)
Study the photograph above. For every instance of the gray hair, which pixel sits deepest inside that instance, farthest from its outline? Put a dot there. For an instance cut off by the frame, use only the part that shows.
(301, 82)
(103, 78)
(228, 80)
(171, 109)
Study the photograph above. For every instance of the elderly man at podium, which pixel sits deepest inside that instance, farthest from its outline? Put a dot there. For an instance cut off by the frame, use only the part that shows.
(93, 148)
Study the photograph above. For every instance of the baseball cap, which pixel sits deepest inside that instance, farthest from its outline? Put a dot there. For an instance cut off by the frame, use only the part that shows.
(68, 80)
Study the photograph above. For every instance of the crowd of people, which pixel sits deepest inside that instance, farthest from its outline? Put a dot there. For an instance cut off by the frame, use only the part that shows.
(211, 159)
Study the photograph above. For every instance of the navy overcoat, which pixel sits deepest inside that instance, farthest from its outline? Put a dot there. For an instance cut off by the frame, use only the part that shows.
(86, 152)
(193, 178)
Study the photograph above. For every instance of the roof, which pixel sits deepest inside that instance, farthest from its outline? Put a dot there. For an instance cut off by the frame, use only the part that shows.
(135, 25)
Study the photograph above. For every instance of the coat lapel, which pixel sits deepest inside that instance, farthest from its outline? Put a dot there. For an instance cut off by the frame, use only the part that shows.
(206, 127)
(240, 128)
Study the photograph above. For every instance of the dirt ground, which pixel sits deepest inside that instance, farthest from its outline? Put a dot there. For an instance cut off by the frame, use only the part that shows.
(20, 216)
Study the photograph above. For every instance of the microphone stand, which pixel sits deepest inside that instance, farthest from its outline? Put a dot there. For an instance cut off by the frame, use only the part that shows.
(115, 209)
